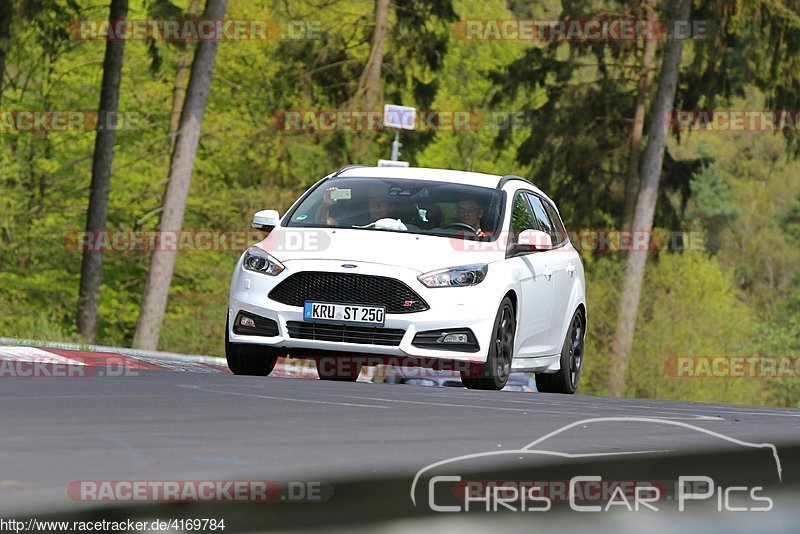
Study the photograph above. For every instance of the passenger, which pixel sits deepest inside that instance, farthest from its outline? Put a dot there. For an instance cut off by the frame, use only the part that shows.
(379, 208)
(330, 214)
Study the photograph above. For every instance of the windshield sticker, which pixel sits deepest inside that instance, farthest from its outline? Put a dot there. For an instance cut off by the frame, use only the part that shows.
(341, 194)
(301, 217)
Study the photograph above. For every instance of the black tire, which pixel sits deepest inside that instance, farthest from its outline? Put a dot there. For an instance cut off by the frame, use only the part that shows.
(493, 375)
(253, 360)
(566, 379)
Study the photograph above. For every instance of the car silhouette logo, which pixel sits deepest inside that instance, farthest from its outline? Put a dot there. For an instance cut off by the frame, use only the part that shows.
(349, 265)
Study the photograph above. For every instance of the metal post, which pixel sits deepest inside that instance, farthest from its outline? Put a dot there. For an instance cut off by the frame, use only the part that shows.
(396, 145)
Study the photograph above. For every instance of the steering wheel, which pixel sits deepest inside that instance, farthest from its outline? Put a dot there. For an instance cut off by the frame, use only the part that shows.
(462, 226)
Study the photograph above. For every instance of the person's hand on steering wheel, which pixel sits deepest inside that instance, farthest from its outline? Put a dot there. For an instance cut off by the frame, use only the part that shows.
(477, 231)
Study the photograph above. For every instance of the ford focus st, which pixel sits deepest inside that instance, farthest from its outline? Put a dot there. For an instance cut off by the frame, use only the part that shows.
(413, 266)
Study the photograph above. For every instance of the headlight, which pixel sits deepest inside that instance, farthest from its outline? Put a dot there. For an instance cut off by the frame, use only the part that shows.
(258, 261)
(465, 275)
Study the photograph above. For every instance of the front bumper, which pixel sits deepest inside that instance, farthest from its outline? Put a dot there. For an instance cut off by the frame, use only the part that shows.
(450, 308)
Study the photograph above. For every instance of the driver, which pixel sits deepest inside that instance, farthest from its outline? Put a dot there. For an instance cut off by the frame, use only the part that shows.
(470, 213)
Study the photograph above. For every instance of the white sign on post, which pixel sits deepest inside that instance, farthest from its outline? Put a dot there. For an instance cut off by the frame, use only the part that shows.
(402, 117)
(390, 163)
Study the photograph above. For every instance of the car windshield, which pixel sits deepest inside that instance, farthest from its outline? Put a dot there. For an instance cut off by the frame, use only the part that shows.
(413, 206)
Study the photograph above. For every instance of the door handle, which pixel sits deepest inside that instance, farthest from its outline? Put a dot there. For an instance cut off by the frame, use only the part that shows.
(570, 269)
(547, 272)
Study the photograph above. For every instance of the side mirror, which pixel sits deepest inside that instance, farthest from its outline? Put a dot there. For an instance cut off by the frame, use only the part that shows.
(266, 220)
(533, 240)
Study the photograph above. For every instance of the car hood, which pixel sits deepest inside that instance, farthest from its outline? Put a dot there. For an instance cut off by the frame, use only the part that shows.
(414, 251)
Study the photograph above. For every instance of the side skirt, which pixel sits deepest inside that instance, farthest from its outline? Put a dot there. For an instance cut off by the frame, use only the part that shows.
(540, 364)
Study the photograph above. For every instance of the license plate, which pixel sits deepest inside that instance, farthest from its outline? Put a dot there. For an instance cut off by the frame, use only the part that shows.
(344, 313)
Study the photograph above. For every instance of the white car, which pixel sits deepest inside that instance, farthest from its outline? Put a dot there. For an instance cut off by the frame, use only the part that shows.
(413, 266)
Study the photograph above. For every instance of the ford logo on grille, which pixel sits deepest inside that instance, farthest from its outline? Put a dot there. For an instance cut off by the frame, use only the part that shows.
(349, 265)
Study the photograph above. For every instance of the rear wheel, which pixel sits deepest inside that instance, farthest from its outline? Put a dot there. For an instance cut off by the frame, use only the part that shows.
(495, 372)
(566, 379)
(254, 360)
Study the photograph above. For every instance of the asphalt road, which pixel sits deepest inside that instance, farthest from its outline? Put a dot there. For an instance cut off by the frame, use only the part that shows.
(174, 425)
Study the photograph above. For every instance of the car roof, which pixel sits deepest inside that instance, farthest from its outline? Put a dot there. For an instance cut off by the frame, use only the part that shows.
(423, 173)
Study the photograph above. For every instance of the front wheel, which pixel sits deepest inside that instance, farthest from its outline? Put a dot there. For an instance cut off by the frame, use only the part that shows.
(253, 360)
(495, 372)
(565, 380)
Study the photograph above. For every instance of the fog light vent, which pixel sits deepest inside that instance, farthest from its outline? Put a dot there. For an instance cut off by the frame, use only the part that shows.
(254, 325)
(453, 338)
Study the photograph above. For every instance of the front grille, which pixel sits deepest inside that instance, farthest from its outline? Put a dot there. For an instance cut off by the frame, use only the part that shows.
(348, 288)
(362, 335)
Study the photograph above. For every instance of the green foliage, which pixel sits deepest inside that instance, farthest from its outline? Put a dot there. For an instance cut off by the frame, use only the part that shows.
(762, 187)
(752, 44)
(712, 203)
(791, 221)
(603, 291)
(691, 309)
(713, 197)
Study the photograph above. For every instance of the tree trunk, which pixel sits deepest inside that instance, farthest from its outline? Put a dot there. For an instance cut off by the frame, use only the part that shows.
(5, 34)
(370, 89)
(179, 87)
(635, 140)
(156, 290)
(92, 263)
(645, 209)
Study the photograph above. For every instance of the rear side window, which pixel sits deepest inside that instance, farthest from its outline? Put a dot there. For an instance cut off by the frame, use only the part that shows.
(561, 232)
(550, 224)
